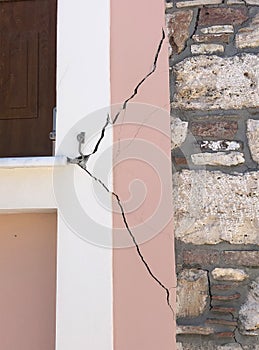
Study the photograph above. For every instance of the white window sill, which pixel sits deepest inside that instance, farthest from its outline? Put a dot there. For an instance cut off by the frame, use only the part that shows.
(32, 162)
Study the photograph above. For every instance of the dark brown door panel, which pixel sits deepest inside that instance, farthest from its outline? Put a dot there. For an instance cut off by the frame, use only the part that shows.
(27, 76)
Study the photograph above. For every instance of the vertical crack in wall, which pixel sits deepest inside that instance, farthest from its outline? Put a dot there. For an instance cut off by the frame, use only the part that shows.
(83, 159)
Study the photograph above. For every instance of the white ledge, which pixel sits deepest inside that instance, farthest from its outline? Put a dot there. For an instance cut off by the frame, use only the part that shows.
(33, 162)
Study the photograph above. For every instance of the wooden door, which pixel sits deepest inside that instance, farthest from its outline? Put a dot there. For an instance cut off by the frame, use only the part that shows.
(27, 281)
(27, 76)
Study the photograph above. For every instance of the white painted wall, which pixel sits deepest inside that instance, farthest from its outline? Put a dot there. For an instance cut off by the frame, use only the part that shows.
(84, 293)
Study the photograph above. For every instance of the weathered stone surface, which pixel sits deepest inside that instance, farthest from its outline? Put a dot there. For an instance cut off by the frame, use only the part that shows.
(241, 257)
(211, 82)
(253, 138)
(200, 38)
(221, 145)
(194, 330)
(218, 158)
(206, 48)
(218, 29)
(213, 207)
(248, 314)
(201, 257)
(224, 129)
(214, 15)
(229, 274)
(178, 25)
(189, 3)
(192, 293)
(179, 131)
(249, 36)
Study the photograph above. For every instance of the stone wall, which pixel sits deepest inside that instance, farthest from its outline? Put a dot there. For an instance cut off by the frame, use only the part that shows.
(214, 70)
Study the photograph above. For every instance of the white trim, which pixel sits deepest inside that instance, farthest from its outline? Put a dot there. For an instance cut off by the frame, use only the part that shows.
(32, 162)
(84, 271)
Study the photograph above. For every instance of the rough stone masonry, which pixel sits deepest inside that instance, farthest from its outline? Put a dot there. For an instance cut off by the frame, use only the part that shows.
(214, 72)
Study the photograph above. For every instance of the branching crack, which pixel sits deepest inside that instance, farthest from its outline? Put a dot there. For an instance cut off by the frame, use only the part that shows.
(83, 159)
(135, 92)
(82, 165)
(125, 103)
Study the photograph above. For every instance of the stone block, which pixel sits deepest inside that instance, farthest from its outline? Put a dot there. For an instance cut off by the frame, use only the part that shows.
(218, 159)
(248, 314)
(201, 257)
(200, 49)
(219, 29)
(241, 257)
(192, 293)
(179, 131)
(214, 15)
(212, 207)
(229, 274)
(220, 145)
(219, 129)
(200, 38)
(221, 322)
(201, 330)
(230, 297)
(249, 36)
(178, 24)
(190, 3)
(253, 138)
(235, 2)
(212, 82)
(252, 2)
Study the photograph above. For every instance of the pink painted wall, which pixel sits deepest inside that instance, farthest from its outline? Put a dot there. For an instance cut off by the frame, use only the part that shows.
(27, 281)
(142, 317)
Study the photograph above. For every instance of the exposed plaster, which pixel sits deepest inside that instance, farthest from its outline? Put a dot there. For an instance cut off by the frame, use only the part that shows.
(82, 160)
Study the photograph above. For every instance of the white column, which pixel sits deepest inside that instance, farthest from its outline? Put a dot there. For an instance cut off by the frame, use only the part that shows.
(84, 292)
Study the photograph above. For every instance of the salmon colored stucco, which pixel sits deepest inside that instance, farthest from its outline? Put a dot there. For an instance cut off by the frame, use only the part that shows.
(142, 179)
(28, 281)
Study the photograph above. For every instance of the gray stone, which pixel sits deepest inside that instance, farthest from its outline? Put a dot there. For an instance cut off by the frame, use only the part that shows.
(206, 48)
(212, 82)
(218, 158)
(192, 293)
(229, 274)
(253, 138)
(189, 3)
(249, 36)
(213, 207)
(248, 314)
(179, 131)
